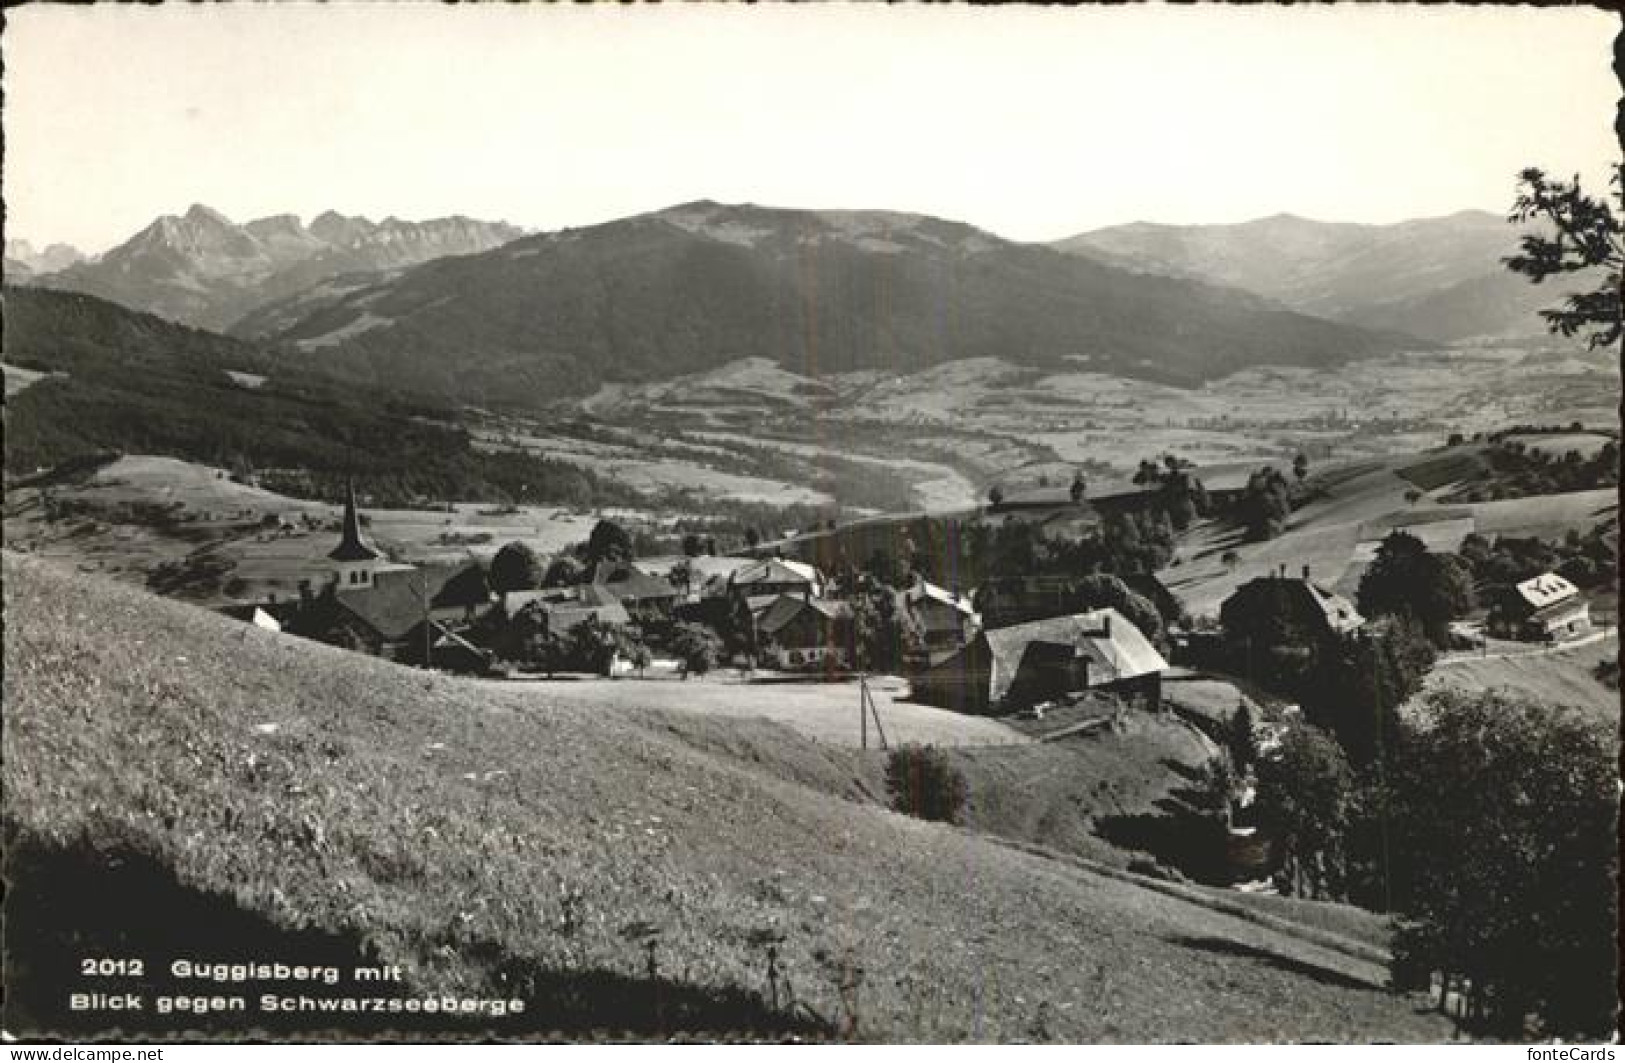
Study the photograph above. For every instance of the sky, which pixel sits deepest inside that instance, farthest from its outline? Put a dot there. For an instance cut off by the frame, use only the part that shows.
(1035, 123)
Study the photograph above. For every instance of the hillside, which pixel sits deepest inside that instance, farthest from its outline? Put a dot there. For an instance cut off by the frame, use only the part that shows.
(1439, 278)
(133, 382)
(203, 269)
(697, 286)
(615, 870)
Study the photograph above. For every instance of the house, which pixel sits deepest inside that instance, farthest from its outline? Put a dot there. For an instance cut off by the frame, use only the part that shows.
(1547, 608)
(1004, 669)
(645, 597)
(946, 621)
(394, 608)
(562, 608)
(800, 631)
(763, 582)
(1281, 609)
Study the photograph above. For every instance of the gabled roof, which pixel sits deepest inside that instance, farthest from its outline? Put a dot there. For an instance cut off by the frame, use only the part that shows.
(924, 591)
(1337, 611)
(789, 606)
(1548, 588)
(393, 604)
(1115, 647)
(629, 584)
(776, 570)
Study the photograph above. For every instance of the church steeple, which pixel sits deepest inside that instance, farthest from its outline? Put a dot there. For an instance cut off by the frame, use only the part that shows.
(350, 547)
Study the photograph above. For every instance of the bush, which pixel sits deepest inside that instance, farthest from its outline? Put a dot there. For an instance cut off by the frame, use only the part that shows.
(922, 783)
(697, 646)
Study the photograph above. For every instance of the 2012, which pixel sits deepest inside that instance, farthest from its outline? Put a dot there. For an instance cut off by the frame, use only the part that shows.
(106, 967)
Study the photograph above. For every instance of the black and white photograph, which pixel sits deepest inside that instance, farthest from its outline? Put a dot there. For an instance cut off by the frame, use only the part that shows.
(831, 523)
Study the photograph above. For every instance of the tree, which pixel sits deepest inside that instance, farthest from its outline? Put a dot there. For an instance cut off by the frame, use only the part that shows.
(1265, 504)
(562, 572)
(608, 541)
(1355, 690)
(752, 537)
(693, 545)
(697, 646)
(591, 645)
(1305, 798)
(1108, 592)
(543, 650)
(1230, 559)
(515, 568)
(1300, 466)
(1406, 579)
(1242, 738)
(995, 495)
(1505, 813)
(1080, 486)
(1582, 234)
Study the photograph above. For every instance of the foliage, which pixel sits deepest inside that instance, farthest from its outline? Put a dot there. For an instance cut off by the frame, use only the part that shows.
(1108, 592)
(607, 542)
(1506, 812)
(697, 646)
(882, 635)
(1356, 691)
(1515, 469)
(1265, 504)
(139, 384)
(562, 572)
(1179, 494)
(1406, 579)
(1242, 738)
(1581, 233)
(516, 568)
(922, 782)
(1305, 799)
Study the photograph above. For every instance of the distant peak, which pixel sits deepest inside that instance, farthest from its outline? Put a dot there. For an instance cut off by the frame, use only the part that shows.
(199, 213)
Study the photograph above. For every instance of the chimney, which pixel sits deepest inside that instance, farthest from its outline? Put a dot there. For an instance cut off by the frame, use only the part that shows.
(1306, 573)
(1108, 625)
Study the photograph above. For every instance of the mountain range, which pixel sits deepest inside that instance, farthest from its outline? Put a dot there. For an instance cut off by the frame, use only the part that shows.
(1437, 278)
(695, 286)
(202, 269)
(23, 260)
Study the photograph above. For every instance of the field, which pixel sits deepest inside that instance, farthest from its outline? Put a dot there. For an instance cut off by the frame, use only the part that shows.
(1562, 677)
(1337, 534)
(823, 712)
(621, 870)
(208, 511)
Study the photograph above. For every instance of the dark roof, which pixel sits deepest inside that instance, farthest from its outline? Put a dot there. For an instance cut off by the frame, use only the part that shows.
(393, 605)
(789, 606)
(629, 584)
(1338, 612)
(351, 547)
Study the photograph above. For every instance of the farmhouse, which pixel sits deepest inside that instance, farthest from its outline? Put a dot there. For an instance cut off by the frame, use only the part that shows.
(799, 631)
(945, 620)
(562, 608)
(645, 597)
(387, 617)
(1277, 608)
(1547, 608)
(1004, 669)
(762, 582)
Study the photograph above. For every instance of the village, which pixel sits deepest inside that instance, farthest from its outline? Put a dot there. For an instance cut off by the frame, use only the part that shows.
(797, 614)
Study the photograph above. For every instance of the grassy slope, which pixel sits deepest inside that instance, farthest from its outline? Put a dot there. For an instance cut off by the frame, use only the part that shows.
(1560, 678)
(373, 808)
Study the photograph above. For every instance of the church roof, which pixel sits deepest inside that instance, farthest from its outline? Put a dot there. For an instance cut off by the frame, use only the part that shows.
(351, 547)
